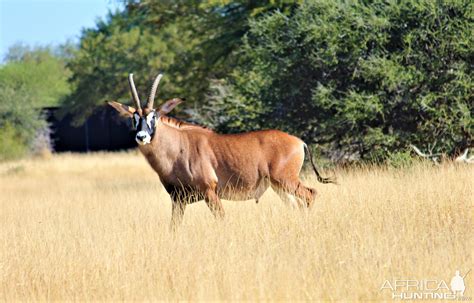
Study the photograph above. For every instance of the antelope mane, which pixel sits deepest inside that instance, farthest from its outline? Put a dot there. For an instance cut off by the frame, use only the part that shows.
(178, 124)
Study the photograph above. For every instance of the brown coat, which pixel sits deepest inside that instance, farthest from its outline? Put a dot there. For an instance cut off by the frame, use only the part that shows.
(239, 166)
(195, 163)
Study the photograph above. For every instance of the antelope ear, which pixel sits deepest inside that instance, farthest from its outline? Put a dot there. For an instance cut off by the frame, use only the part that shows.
(169, 105)
(124, 110)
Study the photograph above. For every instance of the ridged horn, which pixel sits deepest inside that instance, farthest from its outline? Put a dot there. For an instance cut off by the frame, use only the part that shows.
(133, 89)
(154, 87)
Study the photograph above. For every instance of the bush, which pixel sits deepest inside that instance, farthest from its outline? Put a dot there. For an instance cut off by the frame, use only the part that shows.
(362, 79)
(30, 79)
(12, 145)
(400, 159)
(18, 122)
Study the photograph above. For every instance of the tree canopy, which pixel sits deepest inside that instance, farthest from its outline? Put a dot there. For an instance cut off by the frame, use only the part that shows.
(191, 42)
(361, 79)
(30, 79)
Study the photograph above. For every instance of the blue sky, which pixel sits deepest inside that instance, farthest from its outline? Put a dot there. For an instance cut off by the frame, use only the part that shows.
(41, 22)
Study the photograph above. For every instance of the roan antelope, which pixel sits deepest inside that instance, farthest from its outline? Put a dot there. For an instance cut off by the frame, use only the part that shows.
(195, 163)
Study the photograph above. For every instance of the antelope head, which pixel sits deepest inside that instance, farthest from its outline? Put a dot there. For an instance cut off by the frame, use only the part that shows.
(144, 119)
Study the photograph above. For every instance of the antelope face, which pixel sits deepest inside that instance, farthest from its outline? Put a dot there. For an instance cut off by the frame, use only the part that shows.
(144, 120)
(144, 126)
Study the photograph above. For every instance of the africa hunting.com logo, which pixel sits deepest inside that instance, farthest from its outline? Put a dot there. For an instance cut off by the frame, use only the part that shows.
(427, 289)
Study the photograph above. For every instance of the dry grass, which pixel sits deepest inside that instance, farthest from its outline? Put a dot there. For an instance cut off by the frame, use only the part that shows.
(95, 227)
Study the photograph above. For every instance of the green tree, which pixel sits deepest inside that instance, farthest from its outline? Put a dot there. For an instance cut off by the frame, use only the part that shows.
(123, 43)
(193, 43)
(41, 71)
(362, 79)
(30, 79)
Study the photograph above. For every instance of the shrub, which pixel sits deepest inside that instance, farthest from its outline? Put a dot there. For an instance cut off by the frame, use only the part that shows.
(12, 145)
(363, 79)
(29, 80)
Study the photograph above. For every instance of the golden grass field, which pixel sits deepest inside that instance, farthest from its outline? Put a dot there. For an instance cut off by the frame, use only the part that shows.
(95, 227)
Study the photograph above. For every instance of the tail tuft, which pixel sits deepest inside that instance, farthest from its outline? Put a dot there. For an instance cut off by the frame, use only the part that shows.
(320, 179)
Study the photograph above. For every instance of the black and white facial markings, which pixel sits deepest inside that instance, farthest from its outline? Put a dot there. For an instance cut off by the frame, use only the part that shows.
(145, 127)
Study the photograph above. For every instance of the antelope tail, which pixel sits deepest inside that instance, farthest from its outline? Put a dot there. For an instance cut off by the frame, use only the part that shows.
(320, 179)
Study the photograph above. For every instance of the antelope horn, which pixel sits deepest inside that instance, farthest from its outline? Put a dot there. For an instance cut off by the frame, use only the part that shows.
(133, 89)
(154, 87)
